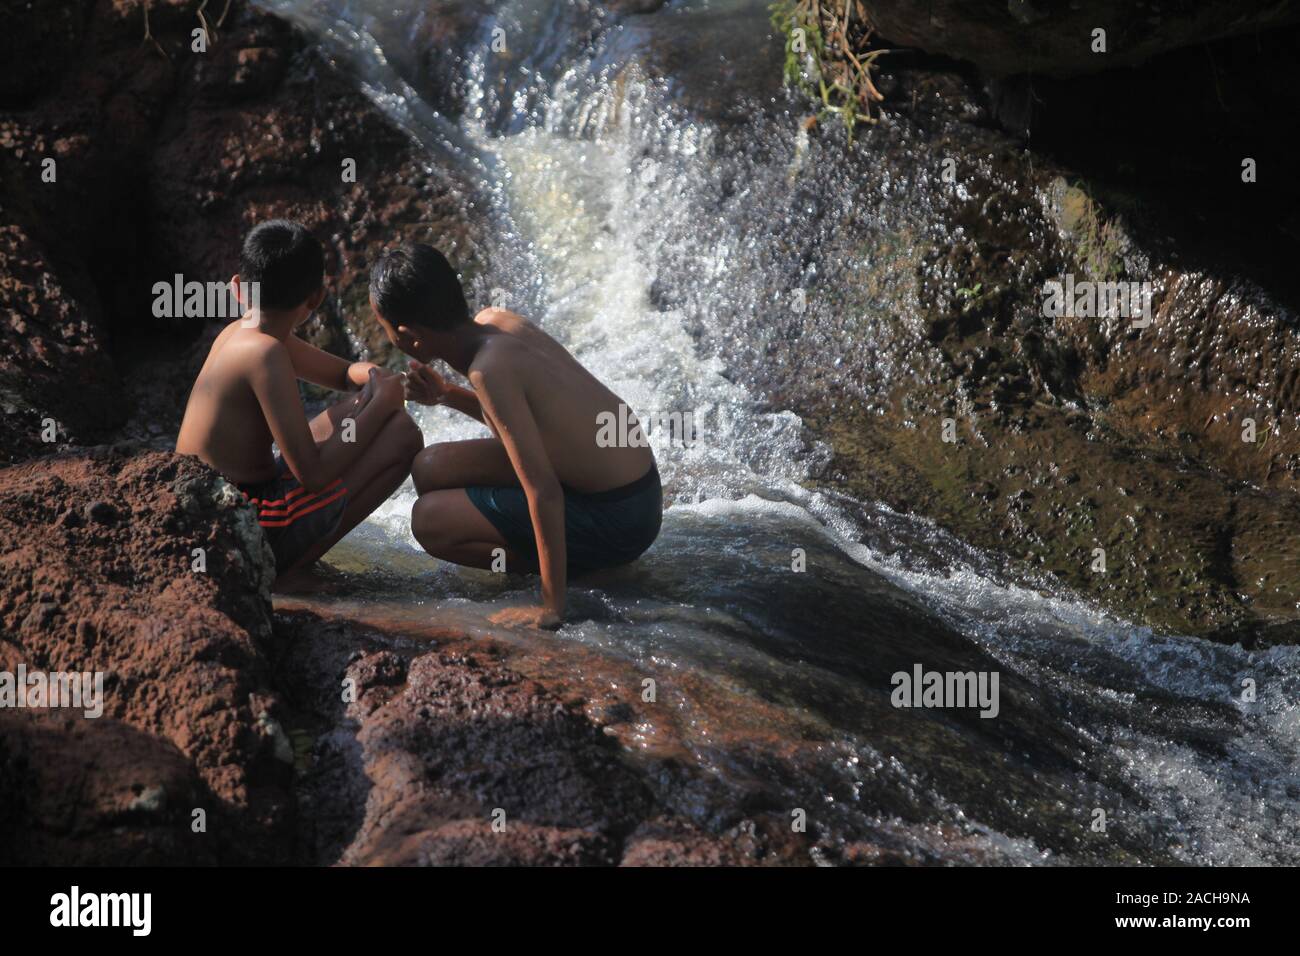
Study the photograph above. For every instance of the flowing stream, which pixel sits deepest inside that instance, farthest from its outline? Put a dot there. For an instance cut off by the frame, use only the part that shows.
(622, 182)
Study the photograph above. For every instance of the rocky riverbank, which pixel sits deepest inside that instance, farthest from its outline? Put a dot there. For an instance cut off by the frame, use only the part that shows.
(148, 569)
(229, 736)
(224, 737)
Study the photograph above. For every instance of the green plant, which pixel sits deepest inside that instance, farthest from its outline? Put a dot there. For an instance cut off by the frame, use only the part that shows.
(1100, 239)
(820, 58)
(970, 296)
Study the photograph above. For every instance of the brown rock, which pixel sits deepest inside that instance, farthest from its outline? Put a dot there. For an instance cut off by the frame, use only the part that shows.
(185, 684)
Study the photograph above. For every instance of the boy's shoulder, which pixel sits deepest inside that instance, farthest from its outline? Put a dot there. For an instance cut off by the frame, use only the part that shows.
(249, 348)
(511, 323)
(238, 358)
(495, 314)
(500, 356)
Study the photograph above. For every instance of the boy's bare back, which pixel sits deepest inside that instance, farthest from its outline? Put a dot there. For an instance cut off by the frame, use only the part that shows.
(224, 424)
(565, 399)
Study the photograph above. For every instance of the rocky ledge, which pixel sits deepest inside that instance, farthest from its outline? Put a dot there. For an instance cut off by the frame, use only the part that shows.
(221, 735)
(1146, 456)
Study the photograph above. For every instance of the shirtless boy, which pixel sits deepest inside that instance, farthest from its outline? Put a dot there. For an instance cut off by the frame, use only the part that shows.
(332, 471)
(544, 488)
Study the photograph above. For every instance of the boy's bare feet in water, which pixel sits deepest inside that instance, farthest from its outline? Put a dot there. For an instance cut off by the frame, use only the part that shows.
(541, 618)
(303, 580)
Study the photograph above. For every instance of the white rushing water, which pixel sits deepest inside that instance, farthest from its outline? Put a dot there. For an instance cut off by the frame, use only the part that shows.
(594, 190)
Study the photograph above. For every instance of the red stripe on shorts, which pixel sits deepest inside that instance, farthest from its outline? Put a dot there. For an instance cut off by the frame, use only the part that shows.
(266, 508)
(298, 512)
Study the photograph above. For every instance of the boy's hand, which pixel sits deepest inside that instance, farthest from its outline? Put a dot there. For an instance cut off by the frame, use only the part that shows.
(424, 385)
(359, 373)
(367, 391)
(535, 617)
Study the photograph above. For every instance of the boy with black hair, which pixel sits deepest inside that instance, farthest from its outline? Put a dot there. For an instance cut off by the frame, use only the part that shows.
(332, 471)
(546, 489)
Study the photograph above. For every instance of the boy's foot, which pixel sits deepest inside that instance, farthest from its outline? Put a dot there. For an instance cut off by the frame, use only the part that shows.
(308, 580)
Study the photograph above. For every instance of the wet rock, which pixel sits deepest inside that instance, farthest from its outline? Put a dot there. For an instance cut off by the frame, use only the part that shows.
(476, 843)
(454, 756)
(672, 843)
(633, 6)
(478, 745)
(930, 296)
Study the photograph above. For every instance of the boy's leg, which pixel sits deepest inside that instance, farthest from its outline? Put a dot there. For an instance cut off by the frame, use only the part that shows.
(381, 469)
(459, 464)
(450, 527)
(324, 425)
(444, 520)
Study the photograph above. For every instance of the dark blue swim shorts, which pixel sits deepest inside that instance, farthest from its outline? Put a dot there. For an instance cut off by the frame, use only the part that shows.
(602, 530)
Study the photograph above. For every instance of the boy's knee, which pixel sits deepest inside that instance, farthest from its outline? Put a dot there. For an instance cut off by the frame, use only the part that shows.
(411, 437)
(426, 523)
(431, 464)
(404, 437)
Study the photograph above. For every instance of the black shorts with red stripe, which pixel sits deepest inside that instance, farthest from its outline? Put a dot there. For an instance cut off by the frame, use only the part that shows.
(293, 519)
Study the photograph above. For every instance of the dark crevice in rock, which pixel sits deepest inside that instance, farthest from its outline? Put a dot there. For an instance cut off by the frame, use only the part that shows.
(1165, 143)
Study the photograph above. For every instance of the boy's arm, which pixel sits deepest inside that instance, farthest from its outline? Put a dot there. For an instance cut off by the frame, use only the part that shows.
(427, 387)
(329, 371)
(506, 405)
(275, 384)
